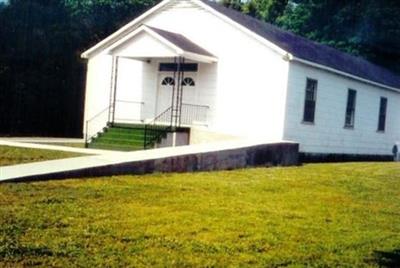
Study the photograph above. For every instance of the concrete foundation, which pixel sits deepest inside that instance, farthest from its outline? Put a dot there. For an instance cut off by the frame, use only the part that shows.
(200, 135)
(336, 158)
(174, 139)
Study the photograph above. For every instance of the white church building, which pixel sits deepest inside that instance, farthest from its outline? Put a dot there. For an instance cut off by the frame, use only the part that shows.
(222, 74)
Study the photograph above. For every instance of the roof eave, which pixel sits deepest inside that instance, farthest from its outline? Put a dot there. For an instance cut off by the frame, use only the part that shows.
(175, 49)
(199, 57)
(333, 70)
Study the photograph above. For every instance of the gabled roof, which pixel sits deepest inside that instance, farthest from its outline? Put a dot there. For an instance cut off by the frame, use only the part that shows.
(182, 42)
(177, 44)
(286, 43)
(311, 51)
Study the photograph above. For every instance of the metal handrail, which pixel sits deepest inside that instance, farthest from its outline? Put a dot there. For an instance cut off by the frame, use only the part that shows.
(196, 105)
(128, 104)
(87, 138)
(158, 117)
(136, 102)
(107, 109)
(98, 114)
(153, 132)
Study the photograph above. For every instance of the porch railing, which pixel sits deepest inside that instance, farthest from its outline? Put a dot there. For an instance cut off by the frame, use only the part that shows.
(96, 124)
(155, 130)
(111, 114)
(194, 113)
(128, 111)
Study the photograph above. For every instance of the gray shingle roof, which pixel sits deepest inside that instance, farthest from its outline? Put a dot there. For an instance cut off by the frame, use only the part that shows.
(311, 51)
(181, 42)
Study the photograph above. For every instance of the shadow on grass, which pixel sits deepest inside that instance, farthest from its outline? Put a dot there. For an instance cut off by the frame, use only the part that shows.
(388, 258)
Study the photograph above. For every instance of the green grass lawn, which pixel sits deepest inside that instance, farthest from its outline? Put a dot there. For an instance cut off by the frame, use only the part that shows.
(324, 215)
(13, 155)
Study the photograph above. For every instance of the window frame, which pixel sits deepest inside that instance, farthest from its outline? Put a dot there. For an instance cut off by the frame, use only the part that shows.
(352, 110)
(382, 114)
(169, 78)
(315, 94)
(188, 82)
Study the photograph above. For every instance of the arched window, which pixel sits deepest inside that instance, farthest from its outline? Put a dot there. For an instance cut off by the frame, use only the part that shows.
(188, 81)
(168, 81)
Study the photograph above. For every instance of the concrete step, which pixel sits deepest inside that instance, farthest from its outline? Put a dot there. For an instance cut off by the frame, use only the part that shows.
(117, 147)
(132, 126)
(124, 130)
(108, 140)
(123, 135)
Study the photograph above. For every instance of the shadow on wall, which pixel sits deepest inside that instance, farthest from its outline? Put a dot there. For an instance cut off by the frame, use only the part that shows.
(388, 258)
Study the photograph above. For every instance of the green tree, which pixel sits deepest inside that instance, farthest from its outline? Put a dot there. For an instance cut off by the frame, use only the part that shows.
(41, 73)
(266, 10)
(97, 19)
(234, 4)
(367, 28)
(37, 67)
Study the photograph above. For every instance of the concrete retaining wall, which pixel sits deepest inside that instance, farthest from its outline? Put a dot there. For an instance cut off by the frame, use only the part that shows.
(274, 154)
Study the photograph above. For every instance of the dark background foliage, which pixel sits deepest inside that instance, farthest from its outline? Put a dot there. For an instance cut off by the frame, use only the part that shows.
(42, 76)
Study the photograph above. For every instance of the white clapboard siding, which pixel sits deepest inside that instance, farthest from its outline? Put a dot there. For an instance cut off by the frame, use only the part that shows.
(246, 88)
(98, 86)
(327, 134)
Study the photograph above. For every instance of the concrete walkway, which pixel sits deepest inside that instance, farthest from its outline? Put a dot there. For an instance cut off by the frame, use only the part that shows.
(21, 144)
(43, 140)
(212, 156)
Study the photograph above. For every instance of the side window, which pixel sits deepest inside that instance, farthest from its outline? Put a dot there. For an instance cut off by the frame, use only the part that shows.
(168, 81)
(350, 108)
(382, 114)
(310, 101)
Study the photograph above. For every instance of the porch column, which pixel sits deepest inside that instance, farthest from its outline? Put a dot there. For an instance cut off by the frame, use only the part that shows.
(177, 93)
(113, 89)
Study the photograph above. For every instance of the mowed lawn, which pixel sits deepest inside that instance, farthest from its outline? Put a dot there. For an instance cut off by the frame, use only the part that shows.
(13, 155)
(322, 215)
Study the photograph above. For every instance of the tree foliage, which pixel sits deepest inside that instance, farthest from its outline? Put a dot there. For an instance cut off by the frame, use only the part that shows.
(366, 28)
(234, 4)
(41, 74)
(266, 10)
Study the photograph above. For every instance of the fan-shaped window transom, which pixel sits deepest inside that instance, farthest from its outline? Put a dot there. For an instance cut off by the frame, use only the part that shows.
(188, 81)
(168, 81)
